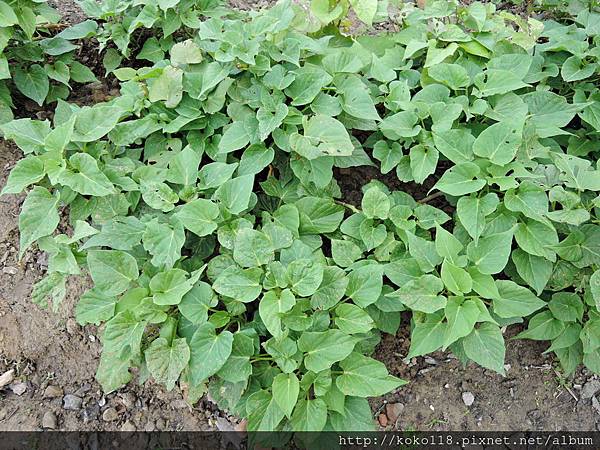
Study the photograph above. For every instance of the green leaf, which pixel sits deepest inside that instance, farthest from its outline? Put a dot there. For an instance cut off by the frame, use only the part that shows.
(515, 300)
(421, 294)
(459, 180)
(322, 349)
(319, 215)
(485, 346)
(427, 336)
(351, 319)
(166, 361)
(186, 52)
(423, 162)
(112, 270)
(566, 306)
(252, 248)
(94, 123)
(456, 279)
(209, 352)
(452, 75)
(365, 284)
(461, 315)
(39, 217)
(499, 143)
(542, 327)
(536, 271)
(491, 253)
(304, 276)
(272, 307)
(472, 212)
(595, 288)
(199, 216)
(169, 287)
(286, 388)
(33, 82)
(365, 10)
(309, 81)
(309, 415)
(235, 194)
(329, 136)
(400, 125)
(183, 168)
(365, 377)
(164, 242)
(195, 303)
(167, 87)
(240, 284)
(95, 307)
(455, 144)
(7, 15)
(27, 171)
(375, 204)
(235, 137)
(85, 177)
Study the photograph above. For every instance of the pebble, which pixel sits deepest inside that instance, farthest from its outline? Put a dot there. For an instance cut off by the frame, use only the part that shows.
(160, 424)
(179, 404)
(10, 270)
(224, 424)
(128, 400)
(52, 392)
(7, 377)
(596, 404)
(18, 388)
(431, 361)
(72, 402)
(72, 326)
(393, 411)
(110, 414)
(49, 420)
(383, 420)
(589, 389)
(128, 426)
(91, 413)
(149, 426)
(468, 398)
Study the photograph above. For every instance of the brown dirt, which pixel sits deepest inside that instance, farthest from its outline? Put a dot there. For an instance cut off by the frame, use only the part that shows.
(50, 349)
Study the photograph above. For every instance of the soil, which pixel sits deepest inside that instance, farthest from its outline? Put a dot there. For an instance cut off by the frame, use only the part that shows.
(54, 361)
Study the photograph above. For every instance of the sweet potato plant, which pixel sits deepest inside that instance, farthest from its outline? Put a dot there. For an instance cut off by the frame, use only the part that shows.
(203, 202)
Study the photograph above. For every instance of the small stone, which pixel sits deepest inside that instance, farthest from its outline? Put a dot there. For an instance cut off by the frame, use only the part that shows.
(149, 426)
(6, 378)
(52, 392)
(110, 414)
(468, 398)
(72, 402)
(589, 389)
(128, 400)
(72, 326)
(383, 420)
(128, 426)
(160, 424)
(393, 411)
(102, 402)
(10, 270)
(91, 413)
(431, 361)
(179, 404)
(18, 388)
(596, 404)
(224, 424)
(49, 420)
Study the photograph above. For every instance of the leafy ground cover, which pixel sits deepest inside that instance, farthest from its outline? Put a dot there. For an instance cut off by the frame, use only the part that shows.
(204, 205)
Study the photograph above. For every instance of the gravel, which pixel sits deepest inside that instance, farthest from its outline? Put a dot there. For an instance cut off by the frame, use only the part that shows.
(72, 402)
(468, 398)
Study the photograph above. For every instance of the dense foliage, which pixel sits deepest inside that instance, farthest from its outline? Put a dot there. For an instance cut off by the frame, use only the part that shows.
(39, 65)
(204, 205)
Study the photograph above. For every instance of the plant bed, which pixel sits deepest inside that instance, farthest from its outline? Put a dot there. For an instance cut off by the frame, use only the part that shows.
(230, 257)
